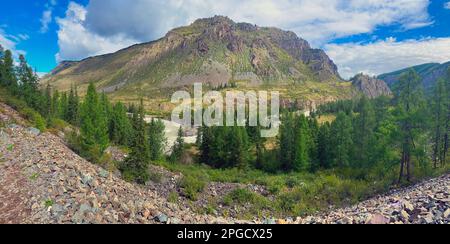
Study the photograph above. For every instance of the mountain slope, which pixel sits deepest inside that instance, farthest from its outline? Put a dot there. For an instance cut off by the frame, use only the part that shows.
(430, 73)
(215, 51)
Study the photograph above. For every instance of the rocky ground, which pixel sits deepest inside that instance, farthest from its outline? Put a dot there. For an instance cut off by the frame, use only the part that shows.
(43, 181)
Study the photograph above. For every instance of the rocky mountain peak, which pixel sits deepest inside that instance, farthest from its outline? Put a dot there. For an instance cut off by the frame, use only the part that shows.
(371, 86)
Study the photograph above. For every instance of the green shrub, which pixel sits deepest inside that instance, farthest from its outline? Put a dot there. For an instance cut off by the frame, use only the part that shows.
(240, 196)
(34, 117)
(156, 177)
(57, 124)
(192, 186)
(173, 197)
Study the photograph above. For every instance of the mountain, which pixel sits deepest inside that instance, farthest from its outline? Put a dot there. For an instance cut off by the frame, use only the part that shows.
(429, 72)
(371, 86)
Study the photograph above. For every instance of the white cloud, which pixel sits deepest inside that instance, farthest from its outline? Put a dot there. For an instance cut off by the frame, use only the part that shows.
(447, 5)
(118, 23)
(9, 42)
(388, 55)
(45, 20)
(76, 42)
(47, 16)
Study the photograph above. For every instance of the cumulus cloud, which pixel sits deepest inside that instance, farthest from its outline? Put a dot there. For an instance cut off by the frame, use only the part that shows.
(76, 42)
(119, 22)
(387, 55)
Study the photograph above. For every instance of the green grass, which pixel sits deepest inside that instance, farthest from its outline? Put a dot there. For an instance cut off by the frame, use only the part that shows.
(49, 203)
(173, 197)
(10, 147)
(292, 194)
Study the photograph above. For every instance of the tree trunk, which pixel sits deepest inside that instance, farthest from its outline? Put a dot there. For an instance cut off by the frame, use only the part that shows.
(402, 167)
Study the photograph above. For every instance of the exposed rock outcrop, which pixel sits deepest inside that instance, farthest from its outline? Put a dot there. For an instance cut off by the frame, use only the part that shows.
(371, 86)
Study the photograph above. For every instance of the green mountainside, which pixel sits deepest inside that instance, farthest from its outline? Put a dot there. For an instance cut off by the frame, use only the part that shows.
(429, 72)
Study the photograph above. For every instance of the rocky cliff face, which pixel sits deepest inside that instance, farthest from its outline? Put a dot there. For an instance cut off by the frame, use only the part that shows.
(371, 86)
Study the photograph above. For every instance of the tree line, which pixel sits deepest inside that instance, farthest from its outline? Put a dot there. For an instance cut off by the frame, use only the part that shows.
(367, 138)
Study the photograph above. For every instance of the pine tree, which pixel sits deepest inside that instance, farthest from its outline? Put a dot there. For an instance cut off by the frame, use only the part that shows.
(237, 148)
(410, 118)
(63, 106)
(439, 109)
(120, 128)
(287, 142)
(364, 126)
(178, 147)
(325, 146)
(302, 146)
(136, 165)
(9, 79)
(73, 104)
(94, 125)
(341, 133)
(156, 139)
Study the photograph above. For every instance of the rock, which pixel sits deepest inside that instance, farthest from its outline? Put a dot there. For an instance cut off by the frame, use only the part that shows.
(428, 219)
(404, 215)
(57, 210)
(408, 207)
(174, 221)
(87, 180)
(377, 219)
(103, 173)
(346, 221)
(34, 131)
(371, 86)
(162, 218)
(446, 214)
(282, 222)
(269, 221)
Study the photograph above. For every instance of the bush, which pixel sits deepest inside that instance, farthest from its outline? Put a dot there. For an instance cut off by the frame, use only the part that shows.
(192, 186)
(34, 117)
(173, 197)
(240, 196)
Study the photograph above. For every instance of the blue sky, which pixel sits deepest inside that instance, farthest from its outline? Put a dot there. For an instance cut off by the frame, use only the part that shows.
(360, 36)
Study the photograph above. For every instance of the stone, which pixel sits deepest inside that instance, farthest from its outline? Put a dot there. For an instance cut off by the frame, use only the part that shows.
(270, 221)
(103, 173)
(377, 219)
(162, 218)
(34, 131)
(87, 180)
(404, 215)
(446, 214)
(282, 222)
(174, 221)
(408, 206)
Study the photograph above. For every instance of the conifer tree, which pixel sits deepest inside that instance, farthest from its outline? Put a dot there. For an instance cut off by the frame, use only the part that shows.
(136, 165)
(73, 107)
(94, 125)
(410, 119)
(364, 126)
(341, 133)
(301, 142)
(156, 139)
(120, 128)
(178, 147)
